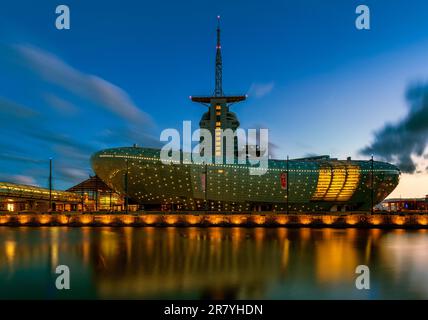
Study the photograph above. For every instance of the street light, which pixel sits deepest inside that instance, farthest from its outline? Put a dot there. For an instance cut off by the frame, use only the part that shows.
(126, 187)
(287, 186)
(372, 184)
(50, 184)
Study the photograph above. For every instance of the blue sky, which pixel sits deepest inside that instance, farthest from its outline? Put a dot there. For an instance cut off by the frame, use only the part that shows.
(125, 69)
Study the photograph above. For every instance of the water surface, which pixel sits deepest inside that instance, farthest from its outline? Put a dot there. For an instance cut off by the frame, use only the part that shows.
(193, 263)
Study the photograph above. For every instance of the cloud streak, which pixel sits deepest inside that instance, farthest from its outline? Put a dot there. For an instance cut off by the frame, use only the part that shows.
(19, 178)
(62, 106)
(62, 119)
(17, 111)
(99, 91)
(260, 90)
(399, 141)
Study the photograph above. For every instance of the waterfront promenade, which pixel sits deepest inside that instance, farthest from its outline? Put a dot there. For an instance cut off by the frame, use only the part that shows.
(206, 219)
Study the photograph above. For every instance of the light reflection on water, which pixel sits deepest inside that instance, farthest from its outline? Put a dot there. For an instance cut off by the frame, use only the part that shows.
(247, 263)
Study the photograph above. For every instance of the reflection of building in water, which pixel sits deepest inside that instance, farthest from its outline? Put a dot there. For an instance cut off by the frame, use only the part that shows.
(405, 253)
(18, 248)
(192, 260)
(218, 262)
(335, 257)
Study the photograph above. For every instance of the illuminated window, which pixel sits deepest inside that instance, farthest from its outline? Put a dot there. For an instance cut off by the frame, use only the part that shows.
(218, 113)
(10, 207)
(218, 107)
(218, 123)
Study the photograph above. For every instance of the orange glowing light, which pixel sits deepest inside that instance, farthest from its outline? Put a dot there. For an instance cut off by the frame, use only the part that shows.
(398, 220)
(375, 220)
(127, 219)
(352, 220)
(85, 219)
(329, 219)
(44, 219)
(259, 220)
(106, 219)
(193, 219)
(215, 219)
(24, 219)
(237, 219)
(282, 220)
(305, 220)
(422, 220)
(62, 219)
(4, 219)
(171, 219)
(149, 219)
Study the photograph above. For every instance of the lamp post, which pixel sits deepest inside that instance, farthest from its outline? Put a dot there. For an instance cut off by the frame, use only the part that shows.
(50, 184)
(126, 187)
(372, 184)
(287, 185)
(82, 195)
(110, 201)
(96, 193)
(206, 188)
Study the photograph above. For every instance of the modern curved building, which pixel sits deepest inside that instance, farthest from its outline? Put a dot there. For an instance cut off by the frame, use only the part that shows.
(313, 184)
(310, 184)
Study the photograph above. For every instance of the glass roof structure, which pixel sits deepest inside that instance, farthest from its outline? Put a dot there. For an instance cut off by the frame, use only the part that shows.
(13, 190)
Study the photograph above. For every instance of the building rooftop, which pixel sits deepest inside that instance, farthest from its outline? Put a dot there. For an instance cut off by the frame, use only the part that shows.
(14, 190)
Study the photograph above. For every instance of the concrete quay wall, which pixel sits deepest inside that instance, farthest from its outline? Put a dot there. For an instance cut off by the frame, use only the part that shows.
(268, 219)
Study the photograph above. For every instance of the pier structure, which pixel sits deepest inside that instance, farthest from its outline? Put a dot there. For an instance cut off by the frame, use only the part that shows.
(202, 219)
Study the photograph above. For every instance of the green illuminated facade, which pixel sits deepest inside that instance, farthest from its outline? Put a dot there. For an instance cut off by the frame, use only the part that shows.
(307, 186)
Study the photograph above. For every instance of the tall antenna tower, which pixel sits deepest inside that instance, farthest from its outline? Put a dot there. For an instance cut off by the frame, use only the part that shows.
(218, 117)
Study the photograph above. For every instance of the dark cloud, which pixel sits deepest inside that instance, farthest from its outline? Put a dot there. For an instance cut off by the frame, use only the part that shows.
(398, 142)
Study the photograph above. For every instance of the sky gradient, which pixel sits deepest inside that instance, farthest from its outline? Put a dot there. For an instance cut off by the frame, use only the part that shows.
(125, 70)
